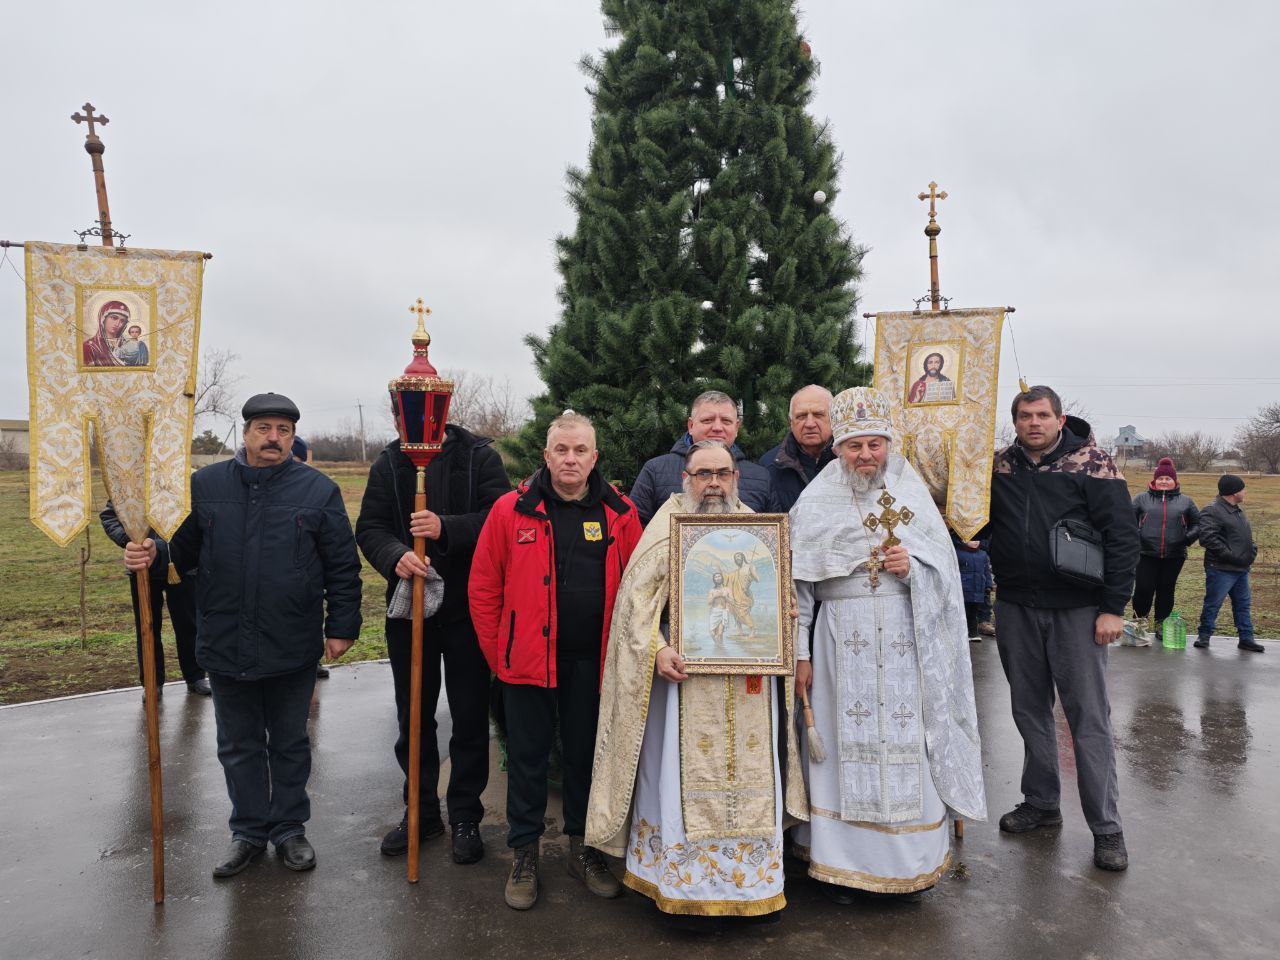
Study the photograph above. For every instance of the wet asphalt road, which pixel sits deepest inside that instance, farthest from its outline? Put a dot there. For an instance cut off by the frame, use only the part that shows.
(1197, 742)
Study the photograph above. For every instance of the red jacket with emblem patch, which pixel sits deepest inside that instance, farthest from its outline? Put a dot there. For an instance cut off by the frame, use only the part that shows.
(512, 589)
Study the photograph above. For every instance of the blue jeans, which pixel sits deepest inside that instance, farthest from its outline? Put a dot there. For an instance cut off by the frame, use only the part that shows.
(265, 753)
(1218, 585)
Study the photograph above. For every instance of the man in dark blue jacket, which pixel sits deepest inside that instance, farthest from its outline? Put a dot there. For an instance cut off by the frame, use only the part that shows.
(807, 447)
(273, 547)
(713, 416)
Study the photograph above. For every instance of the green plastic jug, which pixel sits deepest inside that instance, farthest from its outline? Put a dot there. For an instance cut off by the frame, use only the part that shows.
(1174, 634)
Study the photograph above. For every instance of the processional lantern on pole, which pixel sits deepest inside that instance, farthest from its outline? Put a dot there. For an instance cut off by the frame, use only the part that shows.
(420, 403)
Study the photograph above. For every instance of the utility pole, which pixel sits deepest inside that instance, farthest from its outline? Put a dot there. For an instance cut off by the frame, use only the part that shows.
(363, 456)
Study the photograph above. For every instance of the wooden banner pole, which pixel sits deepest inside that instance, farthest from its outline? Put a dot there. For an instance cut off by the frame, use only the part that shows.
(415, 689)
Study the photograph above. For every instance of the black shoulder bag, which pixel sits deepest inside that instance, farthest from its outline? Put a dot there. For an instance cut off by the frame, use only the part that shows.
(1075, 549)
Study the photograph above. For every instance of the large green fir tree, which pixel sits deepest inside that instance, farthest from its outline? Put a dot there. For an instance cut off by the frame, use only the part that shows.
(701, 259)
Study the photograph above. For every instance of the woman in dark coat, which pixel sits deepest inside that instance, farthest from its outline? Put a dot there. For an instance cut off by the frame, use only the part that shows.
(1168, 523)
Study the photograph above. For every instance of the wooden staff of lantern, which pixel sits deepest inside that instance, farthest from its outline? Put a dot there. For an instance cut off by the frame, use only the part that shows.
(94, 146)
(420, 401)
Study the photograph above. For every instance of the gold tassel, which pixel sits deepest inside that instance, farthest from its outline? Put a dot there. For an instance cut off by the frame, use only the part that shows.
(817, 751)
(174, 577)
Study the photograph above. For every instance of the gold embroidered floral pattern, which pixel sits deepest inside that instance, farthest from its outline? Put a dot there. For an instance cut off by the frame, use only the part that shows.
(741, 864)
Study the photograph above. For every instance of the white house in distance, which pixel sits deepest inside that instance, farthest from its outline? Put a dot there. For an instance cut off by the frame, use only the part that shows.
(1128, 444)
(17, 433)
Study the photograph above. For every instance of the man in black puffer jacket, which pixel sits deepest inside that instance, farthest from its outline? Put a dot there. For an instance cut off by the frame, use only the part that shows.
(1229, 552)
(463, 482)
(1052, 631)
(273, 546)
(712, 416)
(1168, 523)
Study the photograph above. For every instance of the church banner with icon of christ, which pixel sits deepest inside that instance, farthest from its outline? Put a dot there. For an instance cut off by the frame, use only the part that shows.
(941, 369)
(111, 355)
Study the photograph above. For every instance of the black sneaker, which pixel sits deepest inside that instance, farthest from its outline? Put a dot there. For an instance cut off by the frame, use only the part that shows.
(1253, 646)
(1109, 852)
(1025, 817)
(396, 841)
(1202, 643)
(467, 845)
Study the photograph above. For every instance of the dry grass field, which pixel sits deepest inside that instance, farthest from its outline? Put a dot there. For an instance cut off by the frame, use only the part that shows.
(41, 654)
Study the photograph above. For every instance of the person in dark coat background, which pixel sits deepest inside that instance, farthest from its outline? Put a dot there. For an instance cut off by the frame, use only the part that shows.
(1229, 552)
(463, 482)
(975, 581)
(712, 416)
(180, 597)
(1168, 523)
(805, 450)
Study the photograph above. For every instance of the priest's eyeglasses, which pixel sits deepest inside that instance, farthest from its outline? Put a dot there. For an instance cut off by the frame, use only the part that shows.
(724, 474)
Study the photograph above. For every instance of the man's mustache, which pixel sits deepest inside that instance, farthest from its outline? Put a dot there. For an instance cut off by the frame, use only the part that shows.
(272, 445)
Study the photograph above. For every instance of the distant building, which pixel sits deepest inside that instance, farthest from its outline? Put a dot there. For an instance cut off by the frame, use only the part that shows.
(15, 436)
(1128, 445)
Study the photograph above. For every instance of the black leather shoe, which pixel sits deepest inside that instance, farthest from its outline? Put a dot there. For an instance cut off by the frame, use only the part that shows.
(1109, 852)
(396, 841)
(467, 845)
(1202, 643)
(1253, 646)
(200, 687)
(297, 853)
(240, 854)
(1025, 817)
(322, 672)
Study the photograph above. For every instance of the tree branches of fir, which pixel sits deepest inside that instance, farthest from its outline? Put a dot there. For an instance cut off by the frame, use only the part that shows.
(701, 259)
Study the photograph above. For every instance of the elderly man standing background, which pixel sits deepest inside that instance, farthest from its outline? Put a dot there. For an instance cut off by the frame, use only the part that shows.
(712, 416)
(698, 754)
(805, 450)
(889, 666)
(273, 546)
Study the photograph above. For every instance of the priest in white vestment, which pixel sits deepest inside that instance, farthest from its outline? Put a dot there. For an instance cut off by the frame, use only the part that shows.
(687, 781)
(889, 675)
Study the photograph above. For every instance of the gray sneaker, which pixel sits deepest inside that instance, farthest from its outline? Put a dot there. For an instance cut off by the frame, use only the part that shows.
(522, 885)
(588, 865)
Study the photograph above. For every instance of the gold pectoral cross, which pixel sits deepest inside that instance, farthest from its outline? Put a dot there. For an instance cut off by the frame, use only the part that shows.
(874, 566)
(888, 518)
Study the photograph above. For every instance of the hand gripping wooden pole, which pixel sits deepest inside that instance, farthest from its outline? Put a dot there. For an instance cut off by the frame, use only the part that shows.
(415, 687)
(152, 707)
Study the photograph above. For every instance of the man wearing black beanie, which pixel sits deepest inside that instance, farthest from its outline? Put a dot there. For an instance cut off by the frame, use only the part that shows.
(1229, 552)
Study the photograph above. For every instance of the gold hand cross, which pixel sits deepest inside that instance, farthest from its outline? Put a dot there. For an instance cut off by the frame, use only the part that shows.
(888, 518)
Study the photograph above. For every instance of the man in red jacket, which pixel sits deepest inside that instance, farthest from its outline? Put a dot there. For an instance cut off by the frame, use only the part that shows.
(542, 587)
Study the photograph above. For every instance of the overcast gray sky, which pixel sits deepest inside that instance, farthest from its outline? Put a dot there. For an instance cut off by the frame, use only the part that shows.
(1110, 166)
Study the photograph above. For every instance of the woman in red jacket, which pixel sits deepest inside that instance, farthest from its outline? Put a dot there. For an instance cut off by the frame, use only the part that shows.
(543, 582)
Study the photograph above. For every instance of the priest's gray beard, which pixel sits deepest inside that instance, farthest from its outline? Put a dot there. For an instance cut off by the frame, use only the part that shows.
(709, 502)
(861, 483)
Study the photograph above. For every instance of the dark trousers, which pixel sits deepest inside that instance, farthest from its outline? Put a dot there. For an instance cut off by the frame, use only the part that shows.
(182, 615)
(1041, 649)
(466, 686)
(265, 753)
(531, 726)
(972, 614)
(1218, 585)
(1158, 578)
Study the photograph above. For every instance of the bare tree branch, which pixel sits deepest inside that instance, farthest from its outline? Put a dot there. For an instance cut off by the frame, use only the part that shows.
(215, 387)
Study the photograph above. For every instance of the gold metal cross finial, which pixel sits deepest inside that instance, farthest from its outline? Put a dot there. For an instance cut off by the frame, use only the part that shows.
(888, 518)
(933, 196)
(422, 312)
(89, 118)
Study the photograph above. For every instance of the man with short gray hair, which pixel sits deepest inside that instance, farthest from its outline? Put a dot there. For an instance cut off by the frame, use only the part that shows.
(713, 415)
(806, 449)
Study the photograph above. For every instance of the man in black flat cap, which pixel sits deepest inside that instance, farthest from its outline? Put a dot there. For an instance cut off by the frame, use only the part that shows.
(1229, 552)
(274, 548)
